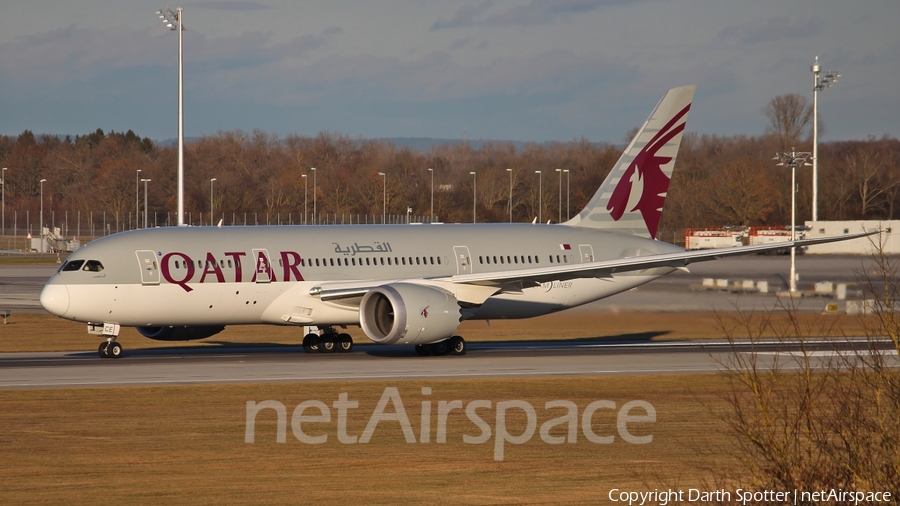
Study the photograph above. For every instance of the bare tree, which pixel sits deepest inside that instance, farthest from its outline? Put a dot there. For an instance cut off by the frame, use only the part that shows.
(865, 167)
(789, 115)
(740, 194)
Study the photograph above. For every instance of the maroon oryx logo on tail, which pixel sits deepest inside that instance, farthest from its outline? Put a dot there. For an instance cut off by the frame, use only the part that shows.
(646, 171)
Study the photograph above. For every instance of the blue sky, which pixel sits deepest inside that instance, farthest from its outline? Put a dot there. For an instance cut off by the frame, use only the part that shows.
(530, 70)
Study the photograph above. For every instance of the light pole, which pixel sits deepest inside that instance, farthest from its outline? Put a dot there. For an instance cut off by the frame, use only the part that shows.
(510, 194)
(384, 196)
(313, 169)
(826, 82)
(793, 160)
(432, 194)
(305, 188)
(3, 189)
(540, 195)
(137, 212)
(567, 193)
(174, 20)
(145, 181)
(41, 228)
(474, 196)
(559, 204)
(211, 181)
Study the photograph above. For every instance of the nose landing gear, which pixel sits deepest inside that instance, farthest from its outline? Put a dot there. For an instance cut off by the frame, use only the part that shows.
(110, 348)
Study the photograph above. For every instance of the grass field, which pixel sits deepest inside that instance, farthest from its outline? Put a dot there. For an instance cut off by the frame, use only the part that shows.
(33, 259)
(186, 445)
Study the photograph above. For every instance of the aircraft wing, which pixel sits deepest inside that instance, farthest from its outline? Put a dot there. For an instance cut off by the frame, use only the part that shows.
(607, 268)
(475, 288)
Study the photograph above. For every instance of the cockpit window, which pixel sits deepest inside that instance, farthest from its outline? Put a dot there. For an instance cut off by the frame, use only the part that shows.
(93, 266)
(73, 265)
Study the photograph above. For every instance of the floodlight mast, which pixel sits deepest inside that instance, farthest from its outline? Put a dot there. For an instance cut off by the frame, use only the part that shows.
(793, 160)
(830, 78)
(173, 20)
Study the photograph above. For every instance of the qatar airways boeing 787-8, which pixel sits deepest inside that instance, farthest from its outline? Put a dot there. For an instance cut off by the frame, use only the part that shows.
(403, 284)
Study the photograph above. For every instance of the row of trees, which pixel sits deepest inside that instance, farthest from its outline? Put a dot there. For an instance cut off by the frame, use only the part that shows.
(719, 180)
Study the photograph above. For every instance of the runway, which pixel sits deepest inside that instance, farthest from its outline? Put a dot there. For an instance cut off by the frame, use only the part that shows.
(192, 366)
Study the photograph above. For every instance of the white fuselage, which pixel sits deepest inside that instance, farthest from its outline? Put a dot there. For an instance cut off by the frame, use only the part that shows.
(267, 275)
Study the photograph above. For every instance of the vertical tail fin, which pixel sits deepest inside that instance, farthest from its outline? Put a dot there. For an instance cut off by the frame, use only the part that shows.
(632, 196)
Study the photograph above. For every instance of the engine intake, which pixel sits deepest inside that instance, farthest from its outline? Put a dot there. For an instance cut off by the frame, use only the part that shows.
(179, 333)
(406, 313)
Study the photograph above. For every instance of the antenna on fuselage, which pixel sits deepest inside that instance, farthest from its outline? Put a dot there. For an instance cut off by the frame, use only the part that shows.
(220, 222)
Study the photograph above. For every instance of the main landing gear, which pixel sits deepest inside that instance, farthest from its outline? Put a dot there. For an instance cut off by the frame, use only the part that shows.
(330, 341)
(456, 345)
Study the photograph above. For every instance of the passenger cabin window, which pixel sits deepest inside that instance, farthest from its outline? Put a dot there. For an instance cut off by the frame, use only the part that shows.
(93, 266)
(73, 265)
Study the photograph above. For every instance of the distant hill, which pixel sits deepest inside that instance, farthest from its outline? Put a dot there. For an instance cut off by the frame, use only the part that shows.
(419, 144)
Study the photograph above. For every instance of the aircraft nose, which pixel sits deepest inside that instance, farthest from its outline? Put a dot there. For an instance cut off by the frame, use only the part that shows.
(55, 299)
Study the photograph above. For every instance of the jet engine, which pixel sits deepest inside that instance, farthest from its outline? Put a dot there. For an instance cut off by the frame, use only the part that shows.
(179, 333)
(406, 313)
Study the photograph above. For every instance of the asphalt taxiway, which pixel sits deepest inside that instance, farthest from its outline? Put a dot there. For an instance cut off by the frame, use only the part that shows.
(187, 366)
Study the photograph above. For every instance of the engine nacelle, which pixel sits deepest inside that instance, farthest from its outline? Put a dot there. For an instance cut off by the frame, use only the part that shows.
(406, 313)
(179, 333)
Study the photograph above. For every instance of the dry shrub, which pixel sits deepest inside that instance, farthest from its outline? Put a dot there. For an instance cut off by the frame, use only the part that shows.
(809, 414)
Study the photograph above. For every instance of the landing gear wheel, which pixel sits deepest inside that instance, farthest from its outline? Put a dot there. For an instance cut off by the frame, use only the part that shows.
(114, 350)
(422, 350)
(441, 348)
(457, 345)
(311, 343)
(102, 350)
(327, 345)
(344, 343)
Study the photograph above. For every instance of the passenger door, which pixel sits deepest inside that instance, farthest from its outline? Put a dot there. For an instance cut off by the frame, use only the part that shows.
(149, 267)
(463, 260)
(263, 265)
(587, 253)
